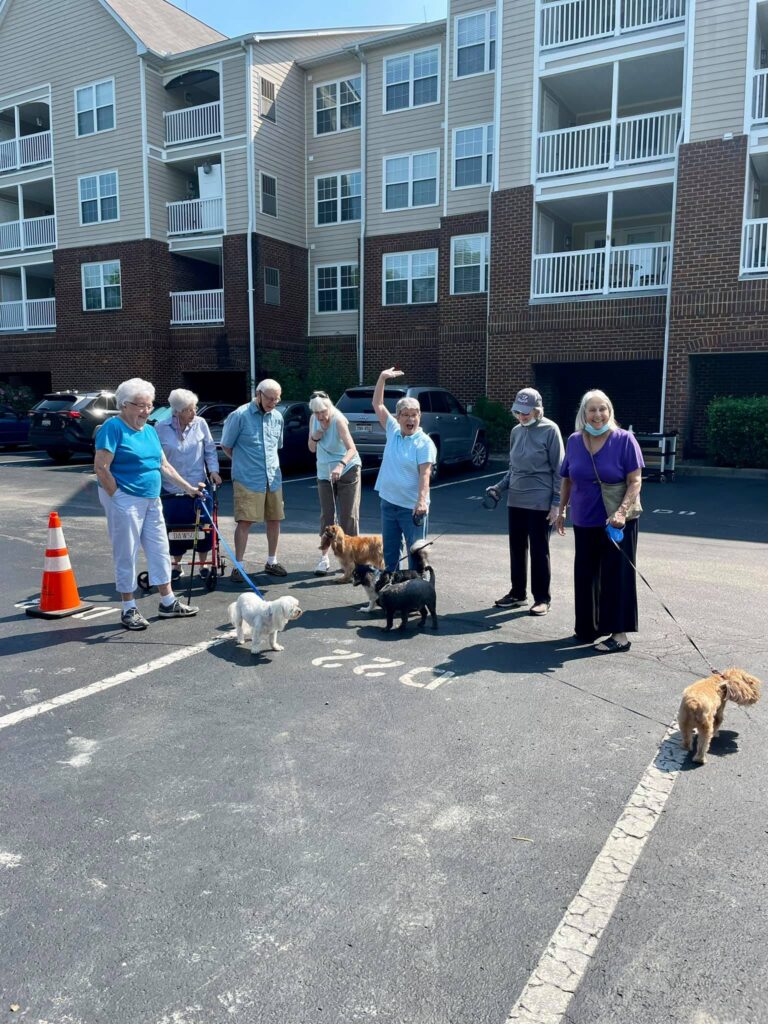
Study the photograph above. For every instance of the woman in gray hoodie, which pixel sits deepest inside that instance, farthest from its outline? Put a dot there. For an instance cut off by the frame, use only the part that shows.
(532, 483)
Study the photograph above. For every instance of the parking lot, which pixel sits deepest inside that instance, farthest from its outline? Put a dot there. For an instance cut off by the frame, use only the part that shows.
(381, 827)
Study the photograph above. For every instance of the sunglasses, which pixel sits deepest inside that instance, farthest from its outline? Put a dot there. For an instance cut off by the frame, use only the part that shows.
(317, 394)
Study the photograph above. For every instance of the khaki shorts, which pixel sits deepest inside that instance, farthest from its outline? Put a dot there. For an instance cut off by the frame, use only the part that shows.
(257, 506)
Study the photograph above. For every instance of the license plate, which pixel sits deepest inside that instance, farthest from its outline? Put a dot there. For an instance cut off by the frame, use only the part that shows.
(184, 535)
(45, 423)
(364, 428)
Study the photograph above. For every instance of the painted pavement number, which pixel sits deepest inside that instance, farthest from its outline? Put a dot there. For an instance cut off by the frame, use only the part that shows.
(378, 667)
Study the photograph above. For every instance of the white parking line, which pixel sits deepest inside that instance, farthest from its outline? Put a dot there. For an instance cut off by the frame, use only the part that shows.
(561, 969)
(106, 684)
(467, 480)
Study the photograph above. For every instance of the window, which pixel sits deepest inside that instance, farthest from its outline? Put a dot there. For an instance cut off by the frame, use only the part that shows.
(338, 288)
(475, 44)
(473, 156)
(337, 106)
(272, 286)
(410, 180)
(101, 285)
(412, 79)
(267, 107)
(469, 264)
(95, 107)
(410, 278)
(338, 197)
(98, 198)
(269, 195)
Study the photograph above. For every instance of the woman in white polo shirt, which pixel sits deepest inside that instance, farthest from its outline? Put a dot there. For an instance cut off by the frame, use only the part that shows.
(403, 480)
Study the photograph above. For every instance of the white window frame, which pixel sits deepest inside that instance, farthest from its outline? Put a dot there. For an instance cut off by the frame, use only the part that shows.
(487, 70)
(338, 176)
(488, 140)
(485, 247)
(267, 302)
(337, 82)
(337, 267)
(266, 213)
(409, 157)
(101, 264)
(410, 54)
(92, 86)
(410, 255)
(273, 101)
(99, 220)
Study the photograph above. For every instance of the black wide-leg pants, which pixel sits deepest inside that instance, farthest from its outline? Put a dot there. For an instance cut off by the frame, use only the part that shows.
(529, 531)
(604, 583)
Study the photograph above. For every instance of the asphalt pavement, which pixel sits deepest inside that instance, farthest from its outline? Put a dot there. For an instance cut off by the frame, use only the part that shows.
(468, 826)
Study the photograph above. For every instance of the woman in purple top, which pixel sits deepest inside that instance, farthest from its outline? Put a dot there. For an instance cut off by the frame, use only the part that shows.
(605, 589)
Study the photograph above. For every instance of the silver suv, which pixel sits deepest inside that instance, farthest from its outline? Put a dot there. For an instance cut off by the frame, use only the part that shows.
(458, 436)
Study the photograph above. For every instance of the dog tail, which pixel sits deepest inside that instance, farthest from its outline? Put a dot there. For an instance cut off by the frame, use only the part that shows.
(421, 557)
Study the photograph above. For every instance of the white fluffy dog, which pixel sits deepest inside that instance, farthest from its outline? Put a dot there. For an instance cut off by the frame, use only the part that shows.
(251, 616)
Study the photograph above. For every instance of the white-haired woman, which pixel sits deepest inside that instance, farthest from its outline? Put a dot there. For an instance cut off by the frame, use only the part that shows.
(338, 469)
(129, 464)
(532, 483)
(406, 467)
(605, 588)
(190, 449)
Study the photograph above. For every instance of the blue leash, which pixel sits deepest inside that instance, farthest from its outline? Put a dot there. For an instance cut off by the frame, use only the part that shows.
(200, 502)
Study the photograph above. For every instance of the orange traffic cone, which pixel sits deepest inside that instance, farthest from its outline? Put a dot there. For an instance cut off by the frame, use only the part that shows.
(59, 596)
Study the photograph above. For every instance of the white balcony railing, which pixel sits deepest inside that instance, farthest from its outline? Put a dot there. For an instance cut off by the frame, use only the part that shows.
(31, 233)
(25, 151)
(193, 215)
(192, 123)
(754, 247)
(760, 95)
(594, 146)
(27, 316)
(577, 21)
(198, 307)
(619, 268)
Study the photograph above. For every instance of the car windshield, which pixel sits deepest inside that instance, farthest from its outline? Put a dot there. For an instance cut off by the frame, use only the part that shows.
(359, 400)
(162, 412)
(56, 403)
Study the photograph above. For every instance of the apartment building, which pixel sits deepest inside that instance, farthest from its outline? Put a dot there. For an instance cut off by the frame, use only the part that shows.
(569, 193)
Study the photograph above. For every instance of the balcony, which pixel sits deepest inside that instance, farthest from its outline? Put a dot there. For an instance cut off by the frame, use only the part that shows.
(590, 147)
(194, 215)
(564, 22)
(25, 151)
(754, 247)
(32, 233)
(760, 95)
(615, 269)
(206, 307)
(192, 124)
(29, 315)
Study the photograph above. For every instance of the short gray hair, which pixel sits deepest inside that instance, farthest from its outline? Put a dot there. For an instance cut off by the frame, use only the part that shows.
(322, 403)
(181, 399)
(132, 389)
(581, 415)
(407, 403)
(268, 385)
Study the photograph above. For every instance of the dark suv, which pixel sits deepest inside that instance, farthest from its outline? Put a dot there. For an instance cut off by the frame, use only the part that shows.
(458, 436)
(65, 421)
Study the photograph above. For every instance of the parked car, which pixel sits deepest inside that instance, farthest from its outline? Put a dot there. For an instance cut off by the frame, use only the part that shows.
(213, 412)
(295, 453)
(65, 421)
(459, 437)
(14, 427)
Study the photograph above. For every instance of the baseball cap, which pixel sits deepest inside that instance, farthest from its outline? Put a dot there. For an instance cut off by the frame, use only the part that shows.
(527, 400)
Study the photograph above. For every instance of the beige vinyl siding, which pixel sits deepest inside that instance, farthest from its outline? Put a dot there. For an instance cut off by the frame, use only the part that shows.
(517, 81)
(340, 246)
(165, 186)
(398, 133)
(156, 104)
(69, 62)
(235, 170)
(719, 68)
(233, 95)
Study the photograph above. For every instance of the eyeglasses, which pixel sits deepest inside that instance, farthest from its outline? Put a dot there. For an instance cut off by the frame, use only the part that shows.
(317, 394)
(141, 405)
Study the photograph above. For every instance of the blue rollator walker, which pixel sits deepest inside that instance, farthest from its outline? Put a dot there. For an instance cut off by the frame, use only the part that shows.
(193, 523)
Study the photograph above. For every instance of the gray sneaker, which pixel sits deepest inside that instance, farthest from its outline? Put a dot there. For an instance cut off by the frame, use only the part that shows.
(133, 619)
(177, 610)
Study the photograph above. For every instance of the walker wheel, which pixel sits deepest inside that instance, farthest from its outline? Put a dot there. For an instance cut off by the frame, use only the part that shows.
(211, 580)
(143, 581)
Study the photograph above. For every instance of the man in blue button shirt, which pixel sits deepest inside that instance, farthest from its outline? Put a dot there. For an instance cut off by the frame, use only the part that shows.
(252, 437)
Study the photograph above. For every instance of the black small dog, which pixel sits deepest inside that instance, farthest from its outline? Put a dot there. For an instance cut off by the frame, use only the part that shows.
(367, 577)
(416, 594)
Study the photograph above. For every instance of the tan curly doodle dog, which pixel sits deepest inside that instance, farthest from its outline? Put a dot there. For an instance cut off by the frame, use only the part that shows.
(703, 706)
(352, 551)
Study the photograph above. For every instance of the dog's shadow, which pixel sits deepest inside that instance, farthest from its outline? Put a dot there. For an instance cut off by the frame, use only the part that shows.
(722, 745)
(240, 654)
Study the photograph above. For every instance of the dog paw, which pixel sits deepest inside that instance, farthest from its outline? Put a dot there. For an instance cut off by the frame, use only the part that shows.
(277, 647)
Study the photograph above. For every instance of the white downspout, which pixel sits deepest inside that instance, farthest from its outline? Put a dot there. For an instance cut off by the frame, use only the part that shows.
(363, 203)
(494, 179)
(251, 218)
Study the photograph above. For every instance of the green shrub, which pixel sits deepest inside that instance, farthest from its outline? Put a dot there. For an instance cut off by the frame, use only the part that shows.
(498, 422)
(737, 431)
(331, 372)
(291, 380)
(20, 399)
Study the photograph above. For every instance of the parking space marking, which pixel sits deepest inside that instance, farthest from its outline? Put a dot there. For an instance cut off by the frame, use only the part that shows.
(440, 677)
(466, 480)
(379, 664)
(94, 613)
(106, 684)
(334, 660)
(558, 974)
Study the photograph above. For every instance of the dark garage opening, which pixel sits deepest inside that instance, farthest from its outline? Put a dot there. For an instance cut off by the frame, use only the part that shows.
(218, 385)
(39, 383)
(738, 374)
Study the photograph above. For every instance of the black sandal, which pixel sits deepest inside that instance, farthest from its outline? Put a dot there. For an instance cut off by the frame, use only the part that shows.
(612, 646)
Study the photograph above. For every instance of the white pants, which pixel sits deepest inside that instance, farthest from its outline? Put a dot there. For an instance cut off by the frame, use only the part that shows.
(133, 523)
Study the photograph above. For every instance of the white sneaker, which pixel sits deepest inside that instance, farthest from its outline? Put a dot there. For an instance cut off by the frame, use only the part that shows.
(323, 567)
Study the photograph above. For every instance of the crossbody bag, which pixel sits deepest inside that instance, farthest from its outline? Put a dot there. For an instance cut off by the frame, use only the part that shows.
(613, 495)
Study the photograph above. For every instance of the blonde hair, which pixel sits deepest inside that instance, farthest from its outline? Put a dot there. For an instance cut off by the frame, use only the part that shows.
(581, 415)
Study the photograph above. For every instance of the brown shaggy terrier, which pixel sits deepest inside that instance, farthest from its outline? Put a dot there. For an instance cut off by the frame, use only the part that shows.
(352, 551)
(703, 706)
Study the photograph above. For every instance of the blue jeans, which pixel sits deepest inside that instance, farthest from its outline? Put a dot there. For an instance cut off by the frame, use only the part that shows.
(397, 525)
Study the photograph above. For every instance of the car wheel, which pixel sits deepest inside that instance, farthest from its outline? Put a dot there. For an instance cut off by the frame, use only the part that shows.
(480, 453)
(437, 469)
(59, 455)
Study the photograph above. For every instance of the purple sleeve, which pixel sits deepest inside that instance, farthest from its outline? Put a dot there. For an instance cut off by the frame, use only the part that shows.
(565, 468)
(632, 456)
